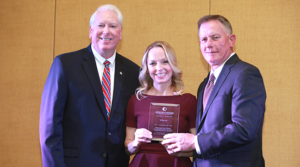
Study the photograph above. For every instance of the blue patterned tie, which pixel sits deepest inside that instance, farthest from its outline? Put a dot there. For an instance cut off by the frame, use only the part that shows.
(106, 87)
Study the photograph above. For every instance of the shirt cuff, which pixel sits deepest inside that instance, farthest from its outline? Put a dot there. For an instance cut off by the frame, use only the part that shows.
(197, 145)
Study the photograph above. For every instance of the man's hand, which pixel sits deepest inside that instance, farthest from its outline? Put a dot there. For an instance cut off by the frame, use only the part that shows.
(179, 142)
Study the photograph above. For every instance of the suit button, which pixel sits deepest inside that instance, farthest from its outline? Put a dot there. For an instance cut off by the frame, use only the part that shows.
(109, 133)
(104, 155)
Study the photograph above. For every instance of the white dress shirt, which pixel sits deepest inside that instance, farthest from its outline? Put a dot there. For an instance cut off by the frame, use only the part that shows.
(100, 67)
(216, 74)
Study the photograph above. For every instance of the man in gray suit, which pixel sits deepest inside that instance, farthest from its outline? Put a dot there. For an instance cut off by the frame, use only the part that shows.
(231, 105)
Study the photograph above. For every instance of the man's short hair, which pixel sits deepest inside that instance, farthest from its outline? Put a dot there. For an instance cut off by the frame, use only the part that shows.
(107, 7)
(219, 18)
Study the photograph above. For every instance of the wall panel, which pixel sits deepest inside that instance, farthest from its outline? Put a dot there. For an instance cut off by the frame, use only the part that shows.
(267, 36)
(144, 22)
(26, 44)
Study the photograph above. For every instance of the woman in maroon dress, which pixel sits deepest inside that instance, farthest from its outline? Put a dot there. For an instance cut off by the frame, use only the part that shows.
(161, 82)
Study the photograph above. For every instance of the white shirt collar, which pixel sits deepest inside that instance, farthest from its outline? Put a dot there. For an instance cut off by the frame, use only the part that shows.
(101, 59)
(219, 69)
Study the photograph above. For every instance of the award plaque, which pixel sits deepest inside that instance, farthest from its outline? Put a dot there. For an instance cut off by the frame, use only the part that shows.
(163, 119)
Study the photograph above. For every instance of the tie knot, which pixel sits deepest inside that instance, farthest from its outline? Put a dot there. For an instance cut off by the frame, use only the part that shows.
(106, 63)
(212, 77)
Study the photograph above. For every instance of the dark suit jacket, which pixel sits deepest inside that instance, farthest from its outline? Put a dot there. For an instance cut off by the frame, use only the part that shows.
(229, 130)
(74, 130)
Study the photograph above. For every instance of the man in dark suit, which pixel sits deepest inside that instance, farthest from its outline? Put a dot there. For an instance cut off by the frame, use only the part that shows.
(82, 122)
(231, 105)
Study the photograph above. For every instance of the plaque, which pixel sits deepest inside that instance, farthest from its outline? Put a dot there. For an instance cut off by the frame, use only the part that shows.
(163, 119)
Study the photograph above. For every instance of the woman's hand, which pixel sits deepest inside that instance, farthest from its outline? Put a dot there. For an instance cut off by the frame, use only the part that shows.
(135, 137)
(142, 136)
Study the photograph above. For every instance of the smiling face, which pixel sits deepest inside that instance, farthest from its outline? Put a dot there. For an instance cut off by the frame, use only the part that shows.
(158, 67)
(105, 33)
(215, 42)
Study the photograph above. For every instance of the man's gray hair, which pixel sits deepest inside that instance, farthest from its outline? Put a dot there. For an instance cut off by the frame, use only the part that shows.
(107, 7)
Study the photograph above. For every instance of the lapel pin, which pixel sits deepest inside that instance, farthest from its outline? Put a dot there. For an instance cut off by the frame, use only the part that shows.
(120, 73)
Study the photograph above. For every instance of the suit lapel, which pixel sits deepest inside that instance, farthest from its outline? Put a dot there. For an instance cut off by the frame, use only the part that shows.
(200, 102)
(89, 65)
(120, 72)
(221, 79)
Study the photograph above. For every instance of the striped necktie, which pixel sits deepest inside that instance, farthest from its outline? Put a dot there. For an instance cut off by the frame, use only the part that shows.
(208, 88)
(106, 88)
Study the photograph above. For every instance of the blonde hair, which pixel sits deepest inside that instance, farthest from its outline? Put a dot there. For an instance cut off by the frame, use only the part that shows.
(144, 76)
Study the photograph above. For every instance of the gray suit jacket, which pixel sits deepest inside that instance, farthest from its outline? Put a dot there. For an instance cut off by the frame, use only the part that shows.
(229, 130)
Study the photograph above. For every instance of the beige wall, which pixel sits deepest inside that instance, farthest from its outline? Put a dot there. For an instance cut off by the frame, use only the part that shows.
(32, 32)
(26, 53)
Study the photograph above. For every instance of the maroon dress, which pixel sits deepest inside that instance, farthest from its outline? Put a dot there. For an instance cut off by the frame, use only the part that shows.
(155, 154)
